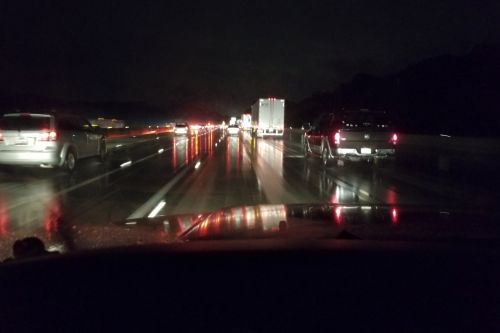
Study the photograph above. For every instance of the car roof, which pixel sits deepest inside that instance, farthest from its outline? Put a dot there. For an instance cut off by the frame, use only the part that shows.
(44, 114)
(27, 114)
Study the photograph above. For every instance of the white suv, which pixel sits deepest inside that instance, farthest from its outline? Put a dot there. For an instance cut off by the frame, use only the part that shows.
(48, 140)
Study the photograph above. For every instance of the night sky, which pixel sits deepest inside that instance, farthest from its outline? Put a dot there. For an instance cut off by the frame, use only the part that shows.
(223, 52)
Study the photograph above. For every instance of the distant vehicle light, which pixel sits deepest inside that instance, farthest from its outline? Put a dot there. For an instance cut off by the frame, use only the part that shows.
(1, 136)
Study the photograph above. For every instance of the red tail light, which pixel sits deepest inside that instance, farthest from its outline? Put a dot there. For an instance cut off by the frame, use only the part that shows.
(338, 214)
(394, 215)
(336, 138)
(394, 138)
(48, 136)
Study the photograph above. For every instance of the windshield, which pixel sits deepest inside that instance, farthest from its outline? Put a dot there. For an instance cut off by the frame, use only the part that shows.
(365, 120)
(237, 110)
(24, 122)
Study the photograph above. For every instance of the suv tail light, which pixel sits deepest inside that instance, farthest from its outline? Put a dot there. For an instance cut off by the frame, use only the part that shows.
(48, 136)
(394, 138)
(336, 138)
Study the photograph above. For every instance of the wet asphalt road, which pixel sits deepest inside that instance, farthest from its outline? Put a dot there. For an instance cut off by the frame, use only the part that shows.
(170, 174)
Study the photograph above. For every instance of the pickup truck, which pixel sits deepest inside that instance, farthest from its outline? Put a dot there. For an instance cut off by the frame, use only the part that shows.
(351, 135)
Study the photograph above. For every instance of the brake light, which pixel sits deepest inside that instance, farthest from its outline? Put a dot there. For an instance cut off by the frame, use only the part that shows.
(48, 136)
(338, 214)
(336, 138)
(394, 138)
(394, 216)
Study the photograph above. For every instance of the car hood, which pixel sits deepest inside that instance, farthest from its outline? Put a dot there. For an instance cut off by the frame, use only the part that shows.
(303, 222)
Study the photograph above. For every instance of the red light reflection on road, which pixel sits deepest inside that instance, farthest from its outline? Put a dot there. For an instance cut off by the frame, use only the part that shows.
(192, 149)
(51, 218)
(228, 156)
(174, 154)
(196, 144)
(3, 217)
(238, 153)
(211, 142)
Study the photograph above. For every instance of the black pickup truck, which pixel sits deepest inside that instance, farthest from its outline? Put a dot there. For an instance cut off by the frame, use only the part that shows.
(363, 135)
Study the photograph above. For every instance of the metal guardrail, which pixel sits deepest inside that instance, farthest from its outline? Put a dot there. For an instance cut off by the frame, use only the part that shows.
(112, 133)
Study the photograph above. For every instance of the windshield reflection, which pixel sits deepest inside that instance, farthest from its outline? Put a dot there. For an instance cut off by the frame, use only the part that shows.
(247, 219)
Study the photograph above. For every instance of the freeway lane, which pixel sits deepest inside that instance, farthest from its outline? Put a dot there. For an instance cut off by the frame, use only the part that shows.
(251, 171)
(170, 174)
(48, 203)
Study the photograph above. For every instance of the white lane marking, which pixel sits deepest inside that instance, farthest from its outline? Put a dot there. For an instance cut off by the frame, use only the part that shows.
(197, 165)
(84, 183)
(364, 193)
(149, 205)
(157, 208)
(126, 164)
(161, 150)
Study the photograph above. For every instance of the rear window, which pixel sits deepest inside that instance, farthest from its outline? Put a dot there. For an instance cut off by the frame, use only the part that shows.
(180, 125)
(24, 123)
(366, 121)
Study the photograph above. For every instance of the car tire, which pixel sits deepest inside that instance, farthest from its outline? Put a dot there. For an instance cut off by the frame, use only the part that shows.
(70, 161)
(324, 157)
(306, 150)
(102, 151)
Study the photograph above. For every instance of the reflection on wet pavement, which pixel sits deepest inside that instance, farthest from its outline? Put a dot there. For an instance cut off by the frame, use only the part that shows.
(226, 171)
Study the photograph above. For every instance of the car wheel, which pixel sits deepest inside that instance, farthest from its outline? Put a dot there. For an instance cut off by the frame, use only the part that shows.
(102, 151)
(70, 162)
(324, 157)
(306, 151)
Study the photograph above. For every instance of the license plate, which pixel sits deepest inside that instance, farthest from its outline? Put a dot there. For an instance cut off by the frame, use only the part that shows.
(366, 150)
(23, 142)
